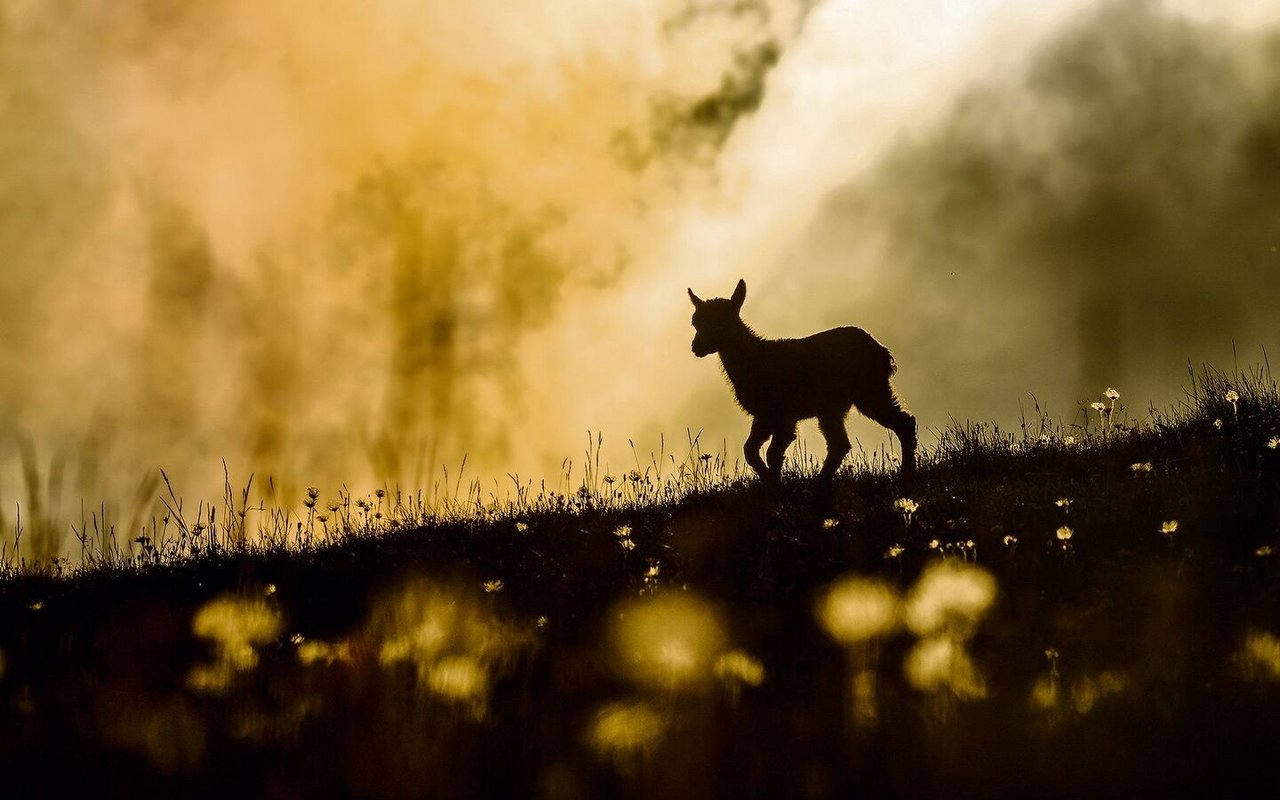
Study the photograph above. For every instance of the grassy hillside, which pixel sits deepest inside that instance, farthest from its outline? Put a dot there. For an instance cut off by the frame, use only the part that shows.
(1050, 612)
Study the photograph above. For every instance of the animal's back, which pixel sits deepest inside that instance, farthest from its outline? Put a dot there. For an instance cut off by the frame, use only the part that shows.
(818, 374)
(852, 348)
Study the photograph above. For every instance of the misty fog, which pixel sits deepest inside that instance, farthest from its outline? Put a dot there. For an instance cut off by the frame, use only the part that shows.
(355, 243)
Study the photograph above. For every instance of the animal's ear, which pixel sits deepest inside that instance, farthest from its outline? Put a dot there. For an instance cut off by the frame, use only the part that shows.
(739, 294)
(697, 301)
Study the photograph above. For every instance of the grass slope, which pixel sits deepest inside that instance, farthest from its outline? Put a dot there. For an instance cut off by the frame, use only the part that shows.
(592, 647)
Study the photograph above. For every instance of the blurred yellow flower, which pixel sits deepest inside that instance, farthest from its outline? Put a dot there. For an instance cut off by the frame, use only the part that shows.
(949, 598)
(737, 667)
(855, 609)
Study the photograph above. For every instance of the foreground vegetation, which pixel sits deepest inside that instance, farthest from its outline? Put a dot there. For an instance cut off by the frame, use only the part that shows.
(1054, 612)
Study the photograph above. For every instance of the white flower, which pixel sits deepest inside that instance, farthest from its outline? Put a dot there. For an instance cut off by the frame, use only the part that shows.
(1142, 466)
(1099, 407)
(492, 586)
(1232, 397)
(1010, 540)
(1169, 528)
(1069, 441)
(1111, 394)
(894, 551)
(1062, 502)
(1273, 442)
(1064, 534)
(1217, 423)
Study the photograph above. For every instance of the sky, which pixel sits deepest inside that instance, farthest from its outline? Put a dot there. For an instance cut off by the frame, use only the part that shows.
(351, 242)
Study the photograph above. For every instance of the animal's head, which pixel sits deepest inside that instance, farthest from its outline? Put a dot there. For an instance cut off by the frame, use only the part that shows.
(716, 320)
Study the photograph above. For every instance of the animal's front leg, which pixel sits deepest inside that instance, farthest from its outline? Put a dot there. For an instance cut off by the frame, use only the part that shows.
(759, 432)
(783, 436)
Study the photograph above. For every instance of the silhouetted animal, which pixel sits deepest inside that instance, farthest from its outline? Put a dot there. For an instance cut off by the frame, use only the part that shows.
(782, 381)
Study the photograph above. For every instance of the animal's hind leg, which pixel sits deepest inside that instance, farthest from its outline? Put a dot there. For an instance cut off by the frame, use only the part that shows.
(885, 408)
(832, 427)
(783, 436)
(759, 432)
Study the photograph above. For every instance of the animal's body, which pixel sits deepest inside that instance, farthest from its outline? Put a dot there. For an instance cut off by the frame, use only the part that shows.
(780, 382)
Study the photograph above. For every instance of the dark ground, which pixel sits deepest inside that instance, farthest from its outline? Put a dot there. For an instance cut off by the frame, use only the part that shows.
(1120, 662)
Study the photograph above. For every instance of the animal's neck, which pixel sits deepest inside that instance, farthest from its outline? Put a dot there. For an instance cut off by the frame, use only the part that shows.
(738, 351)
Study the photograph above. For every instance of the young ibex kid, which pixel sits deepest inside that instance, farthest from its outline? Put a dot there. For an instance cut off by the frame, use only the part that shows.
(782, 381)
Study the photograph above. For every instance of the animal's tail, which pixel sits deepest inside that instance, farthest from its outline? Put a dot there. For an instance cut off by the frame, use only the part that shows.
(887, 362)
(869, 353)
